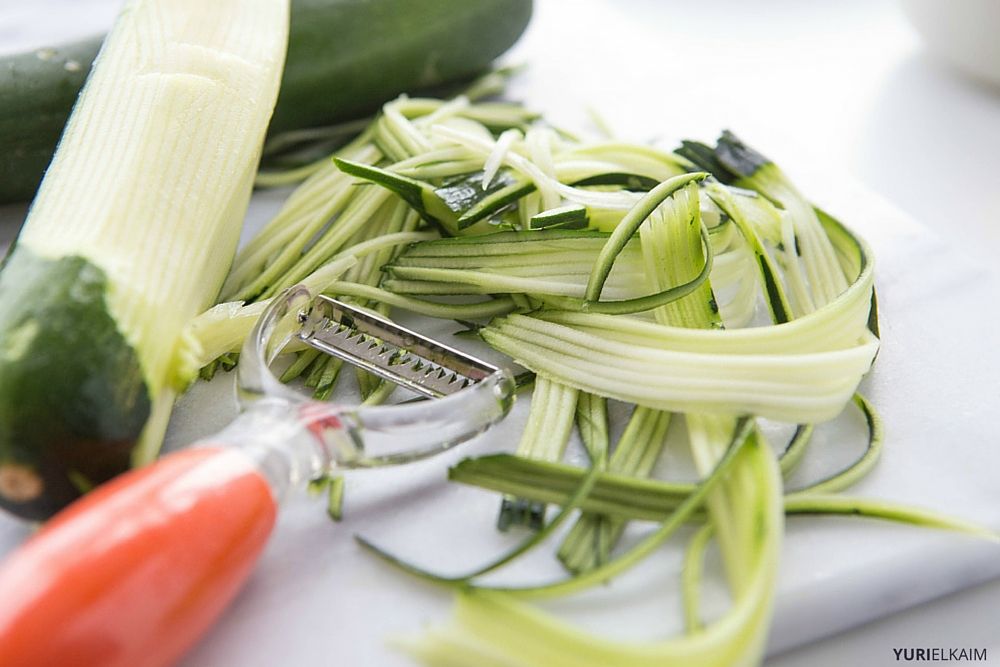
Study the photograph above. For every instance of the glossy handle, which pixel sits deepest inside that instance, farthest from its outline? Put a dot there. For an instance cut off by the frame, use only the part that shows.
(135, 572)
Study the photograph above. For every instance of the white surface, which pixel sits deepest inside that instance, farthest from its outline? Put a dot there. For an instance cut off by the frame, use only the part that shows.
(839, 85)
(961, 31)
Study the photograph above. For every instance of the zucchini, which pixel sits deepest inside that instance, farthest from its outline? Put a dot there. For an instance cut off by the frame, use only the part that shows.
(345, 58)
(37, 91)
(132, 232)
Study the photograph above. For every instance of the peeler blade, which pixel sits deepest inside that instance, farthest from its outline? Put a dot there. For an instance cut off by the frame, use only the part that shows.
(390, 351)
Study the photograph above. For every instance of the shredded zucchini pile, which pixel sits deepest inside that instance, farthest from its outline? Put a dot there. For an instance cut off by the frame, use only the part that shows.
(697, 284)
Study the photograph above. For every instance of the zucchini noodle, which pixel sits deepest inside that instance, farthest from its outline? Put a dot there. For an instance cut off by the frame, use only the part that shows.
(699, 286)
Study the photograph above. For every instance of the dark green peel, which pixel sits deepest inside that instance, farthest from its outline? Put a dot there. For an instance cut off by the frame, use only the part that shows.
(442, 205)
(73, 398)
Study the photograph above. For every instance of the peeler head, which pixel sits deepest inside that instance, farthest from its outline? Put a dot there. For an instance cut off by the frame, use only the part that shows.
(469, 394)
(397, 354)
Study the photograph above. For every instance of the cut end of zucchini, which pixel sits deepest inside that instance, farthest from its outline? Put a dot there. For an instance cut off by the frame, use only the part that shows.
(572, 216)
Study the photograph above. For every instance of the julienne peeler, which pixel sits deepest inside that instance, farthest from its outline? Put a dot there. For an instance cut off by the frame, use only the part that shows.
(135, 572)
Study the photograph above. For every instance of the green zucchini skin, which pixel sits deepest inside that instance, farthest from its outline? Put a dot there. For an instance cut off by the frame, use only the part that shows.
(345, 59)
(73, 398)
(37, 92)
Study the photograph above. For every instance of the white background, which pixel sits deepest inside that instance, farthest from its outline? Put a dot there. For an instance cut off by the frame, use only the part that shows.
(845, 85)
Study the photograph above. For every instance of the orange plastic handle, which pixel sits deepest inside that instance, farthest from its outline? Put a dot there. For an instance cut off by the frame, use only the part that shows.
(134, 573)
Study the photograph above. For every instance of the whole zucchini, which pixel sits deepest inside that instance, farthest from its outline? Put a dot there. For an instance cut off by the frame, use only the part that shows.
(345, 58)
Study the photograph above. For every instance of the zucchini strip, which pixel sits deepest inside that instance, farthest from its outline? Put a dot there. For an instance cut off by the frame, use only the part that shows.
(694, 558)
(592, 424)
(536, 538)
(550, 423)
(803, 387)
(590, 541)
(628, 226)
(864, 464)
(635, 499)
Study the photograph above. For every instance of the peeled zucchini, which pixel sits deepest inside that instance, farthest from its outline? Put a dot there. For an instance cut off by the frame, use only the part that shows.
(131, 235)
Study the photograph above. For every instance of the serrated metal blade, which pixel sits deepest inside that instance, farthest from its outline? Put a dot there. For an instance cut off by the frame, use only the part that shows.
(392, 352)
